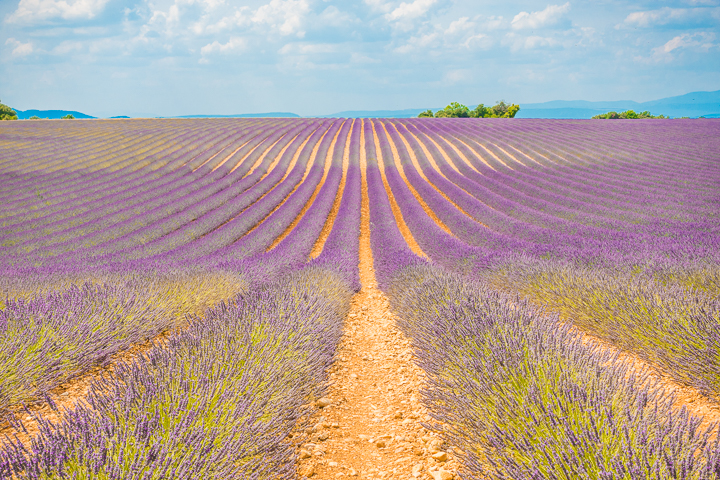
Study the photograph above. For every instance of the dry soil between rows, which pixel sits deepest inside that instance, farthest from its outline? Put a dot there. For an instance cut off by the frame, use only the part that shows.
(369, 425)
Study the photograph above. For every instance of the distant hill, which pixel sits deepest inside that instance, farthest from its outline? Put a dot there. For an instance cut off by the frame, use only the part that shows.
(25, 114)
(695, 104)
(246, 115)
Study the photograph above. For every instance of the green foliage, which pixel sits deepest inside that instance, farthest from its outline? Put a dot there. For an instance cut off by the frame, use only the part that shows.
(7, 113)
(458, 110)
(454, 110)
(68, 117)
(34, 117)
(628, 114)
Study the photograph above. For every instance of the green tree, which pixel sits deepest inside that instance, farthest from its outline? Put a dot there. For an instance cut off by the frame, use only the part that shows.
(628, 114)
(34, 117)
(481, 111)
(458, 110)
(426, 114)
(68, 117)
(454, 110)
(511, 111)
(7, 113)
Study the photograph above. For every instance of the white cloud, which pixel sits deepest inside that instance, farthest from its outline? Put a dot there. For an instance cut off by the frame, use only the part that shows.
(359, 58)
(544, 18)
(333, 17)
(241, 17)
(462, 33)
(235, 43)
(403, 16)
(67, 47)
(421, 43)
(531, 42)
(410, 11)
(307, 48)
(20, 49)
(32, 11)
(702, 40)
(480, 41)
(283, 16)
(651, 17)
(459, 26)
(453, 77)
(379, 5)
(667, 15)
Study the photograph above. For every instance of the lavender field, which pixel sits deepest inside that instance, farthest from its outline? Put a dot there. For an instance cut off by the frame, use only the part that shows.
(558, 282)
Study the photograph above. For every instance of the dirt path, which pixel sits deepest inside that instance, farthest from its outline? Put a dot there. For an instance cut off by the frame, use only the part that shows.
(369, 425)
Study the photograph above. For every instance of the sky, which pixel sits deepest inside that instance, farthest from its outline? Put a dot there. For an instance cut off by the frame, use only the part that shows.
(315, 57)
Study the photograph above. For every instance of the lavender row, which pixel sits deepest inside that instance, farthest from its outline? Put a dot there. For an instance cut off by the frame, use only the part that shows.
(110, 182)
(167, 189)
(246, 369)
(225, 226)
(524, 397)
(271, 215)
(672, 328)
(586, 174)
(595, 239)
(293, 250)
(157, 223)
(92, 169)
(50, 338)
(536, 181)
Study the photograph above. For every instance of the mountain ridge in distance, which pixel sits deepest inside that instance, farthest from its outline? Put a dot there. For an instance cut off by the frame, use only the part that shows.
(693, 104)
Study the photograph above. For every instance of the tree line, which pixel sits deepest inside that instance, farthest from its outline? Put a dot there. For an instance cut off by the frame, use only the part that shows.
(458, 110)
(627, 114)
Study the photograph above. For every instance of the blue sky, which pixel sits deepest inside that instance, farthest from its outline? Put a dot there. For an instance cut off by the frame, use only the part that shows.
(313, 57)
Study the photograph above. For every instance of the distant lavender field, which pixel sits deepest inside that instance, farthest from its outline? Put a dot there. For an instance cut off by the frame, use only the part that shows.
(230, 247)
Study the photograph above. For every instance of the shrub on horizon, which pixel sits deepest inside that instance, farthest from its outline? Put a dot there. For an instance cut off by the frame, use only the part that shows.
(458, 110)
(628, 114)
(7, 113)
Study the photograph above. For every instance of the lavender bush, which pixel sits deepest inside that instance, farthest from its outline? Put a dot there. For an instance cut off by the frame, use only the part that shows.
(215, 401)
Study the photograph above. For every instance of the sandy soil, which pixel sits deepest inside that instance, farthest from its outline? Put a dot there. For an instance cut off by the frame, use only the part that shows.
(369, 425)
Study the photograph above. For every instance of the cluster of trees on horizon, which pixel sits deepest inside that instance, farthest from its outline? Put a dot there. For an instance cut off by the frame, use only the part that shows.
(7, 113)
(458, 110)
(627, 114)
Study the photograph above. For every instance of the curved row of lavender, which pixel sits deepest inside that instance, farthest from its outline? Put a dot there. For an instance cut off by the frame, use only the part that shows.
(218, 397)
(67, 332)
(216, 400)
(647, 283)
(519, 393)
